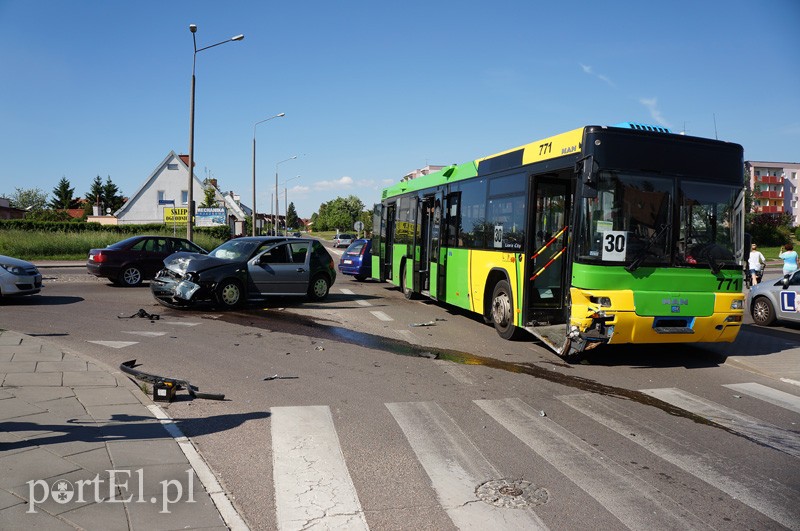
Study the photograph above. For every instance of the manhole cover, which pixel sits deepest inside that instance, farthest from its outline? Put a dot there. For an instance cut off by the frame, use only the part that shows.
(511, 493)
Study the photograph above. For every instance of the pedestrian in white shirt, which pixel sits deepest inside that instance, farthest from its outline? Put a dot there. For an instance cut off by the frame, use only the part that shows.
(755, 264)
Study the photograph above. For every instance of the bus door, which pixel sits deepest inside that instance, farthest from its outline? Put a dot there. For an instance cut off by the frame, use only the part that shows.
(425, 258)
(387, 240)
(437, 259)
(546, 269)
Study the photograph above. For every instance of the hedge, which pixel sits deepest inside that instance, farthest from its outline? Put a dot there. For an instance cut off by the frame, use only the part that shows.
(221, 232)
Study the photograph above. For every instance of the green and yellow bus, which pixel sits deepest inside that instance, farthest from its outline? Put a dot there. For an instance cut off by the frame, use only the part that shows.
(600, 235)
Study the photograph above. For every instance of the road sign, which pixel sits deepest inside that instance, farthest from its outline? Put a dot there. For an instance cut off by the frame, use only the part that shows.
(358, 225)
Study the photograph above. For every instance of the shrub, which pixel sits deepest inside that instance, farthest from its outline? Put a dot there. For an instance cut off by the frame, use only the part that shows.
(770, 230)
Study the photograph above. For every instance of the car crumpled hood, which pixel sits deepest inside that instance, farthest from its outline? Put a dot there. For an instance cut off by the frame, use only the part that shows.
(194, 262)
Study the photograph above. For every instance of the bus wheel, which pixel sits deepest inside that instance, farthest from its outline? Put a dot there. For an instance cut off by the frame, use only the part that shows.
(503, 310)
(408, 293)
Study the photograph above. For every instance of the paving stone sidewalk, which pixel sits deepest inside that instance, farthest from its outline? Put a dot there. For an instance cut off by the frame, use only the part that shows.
(81, 449)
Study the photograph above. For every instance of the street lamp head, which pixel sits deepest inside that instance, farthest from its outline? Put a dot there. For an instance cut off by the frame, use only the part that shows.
(193, 28)
(237, 38)
(281, 115)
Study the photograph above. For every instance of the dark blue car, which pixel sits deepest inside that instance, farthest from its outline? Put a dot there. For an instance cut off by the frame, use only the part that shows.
(357, 259)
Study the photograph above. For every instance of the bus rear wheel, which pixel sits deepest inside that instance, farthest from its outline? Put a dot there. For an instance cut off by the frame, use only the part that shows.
(408, 293)
(502, 310)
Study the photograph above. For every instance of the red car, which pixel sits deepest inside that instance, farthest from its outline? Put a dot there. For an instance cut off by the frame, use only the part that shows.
(135, 259)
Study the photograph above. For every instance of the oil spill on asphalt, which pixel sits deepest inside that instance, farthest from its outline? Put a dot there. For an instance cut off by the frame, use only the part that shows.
(313, 327)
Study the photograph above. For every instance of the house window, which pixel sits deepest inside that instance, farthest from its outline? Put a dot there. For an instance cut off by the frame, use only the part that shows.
(172, 166)
(160, 195)
(184, 197)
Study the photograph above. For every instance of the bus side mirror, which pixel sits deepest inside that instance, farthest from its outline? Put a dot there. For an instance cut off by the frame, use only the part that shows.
(587, 169)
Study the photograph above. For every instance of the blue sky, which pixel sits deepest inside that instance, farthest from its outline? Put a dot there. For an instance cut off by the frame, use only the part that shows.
(373, 90)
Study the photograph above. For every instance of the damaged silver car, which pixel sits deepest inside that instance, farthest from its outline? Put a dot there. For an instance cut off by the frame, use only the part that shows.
(244, 270)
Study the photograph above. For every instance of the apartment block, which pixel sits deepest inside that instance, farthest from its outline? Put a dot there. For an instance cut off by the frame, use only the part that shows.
(775, 187)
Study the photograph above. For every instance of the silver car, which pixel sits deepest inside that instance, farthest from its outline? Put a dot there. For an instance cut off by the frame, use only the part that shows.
(342, 240)
(775, 299)
(18, 277)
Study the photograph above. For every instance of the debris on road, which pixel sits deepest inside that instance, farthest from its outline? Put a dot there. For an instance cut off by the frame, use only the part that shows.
(164, 387)
(429, 323)
(429, 355)
(276, 377)
(143, 314)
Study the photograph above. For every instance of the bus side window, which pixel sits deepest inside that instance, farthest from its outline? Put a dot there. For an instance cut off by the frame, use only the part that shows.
(453, 221)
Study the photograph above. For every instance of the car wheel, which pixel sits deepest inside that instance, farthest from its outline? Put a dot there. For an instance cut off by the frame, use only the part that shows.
(763, 312)
(318, 288)
(229, 293)
(131, 276)
(361, 277)
(502, 310)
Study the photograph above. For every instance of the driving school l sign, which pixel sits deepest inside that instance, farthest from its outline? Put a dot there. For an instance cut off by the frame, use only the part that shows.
(176, 215)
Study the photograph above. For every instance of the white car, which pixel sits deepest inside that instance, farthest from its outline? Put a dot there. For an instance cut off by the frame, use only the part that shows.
(342, 240)
(18, 277)
(776, 298)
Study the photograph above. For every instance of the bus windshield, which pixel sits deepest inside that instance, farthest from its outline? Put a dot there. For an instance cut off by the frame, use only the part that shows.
(630, 222)
(706, 235)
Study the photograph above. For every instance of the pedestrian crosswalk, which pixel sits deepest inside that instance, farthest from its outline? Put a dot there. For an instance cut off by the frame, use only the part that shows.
(313, 488)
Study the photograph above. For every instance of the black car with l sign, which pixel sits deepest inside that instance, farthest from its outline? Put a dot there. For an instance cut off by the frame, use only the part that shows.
(246, 269)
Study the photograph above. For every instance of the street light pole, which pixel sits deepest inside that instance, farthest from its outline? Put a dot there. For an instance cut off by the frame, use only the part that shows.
(277, 197)
(190, 193)
(286, 202)
(281, 115)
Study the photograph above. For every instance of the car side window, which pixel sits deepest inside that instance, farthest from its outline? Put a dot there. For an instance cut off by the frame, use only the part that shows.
(276, 255)
(140, 245)
(795, 280)
(160, 245)
(299, 251)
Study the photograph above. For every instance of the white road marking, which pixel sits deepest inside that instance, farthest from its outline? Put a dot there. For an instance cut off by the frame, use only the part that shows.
(768, 394)
(636, 503)
(790, 381)
(763, 432)
(380, 315)
(360, 302)
(180, 323)
(407, 335)
(144, 333)
(456, 371)
(745, 485)
(456, 468)
(114, 344)
(312, 485)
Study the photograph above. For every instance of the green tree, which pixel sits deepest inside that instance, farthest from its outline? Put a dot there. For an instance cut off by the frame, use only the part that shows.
(340, 214)
(30, 199)
(112, 198)
(94, 196)
(63, 196)
(291, 216)
(209, 197)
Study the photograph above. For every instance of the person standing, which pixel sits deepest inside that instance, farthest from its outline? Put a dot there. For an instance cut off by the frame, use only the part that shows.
(755, 263)
(789, 257)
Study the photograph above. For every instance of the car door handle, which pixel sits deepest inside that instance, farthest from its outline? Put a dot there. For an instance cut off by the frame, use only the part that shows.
(301, 270)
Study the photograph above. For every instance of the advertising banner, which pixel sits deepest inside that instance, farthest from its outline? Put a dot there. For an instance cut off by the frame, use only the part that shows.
(176, 215)
(210, 217)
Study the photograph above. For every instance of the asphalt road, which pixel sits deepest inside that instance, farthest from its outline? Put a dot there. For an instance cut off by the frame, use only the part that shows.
(427, 403)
